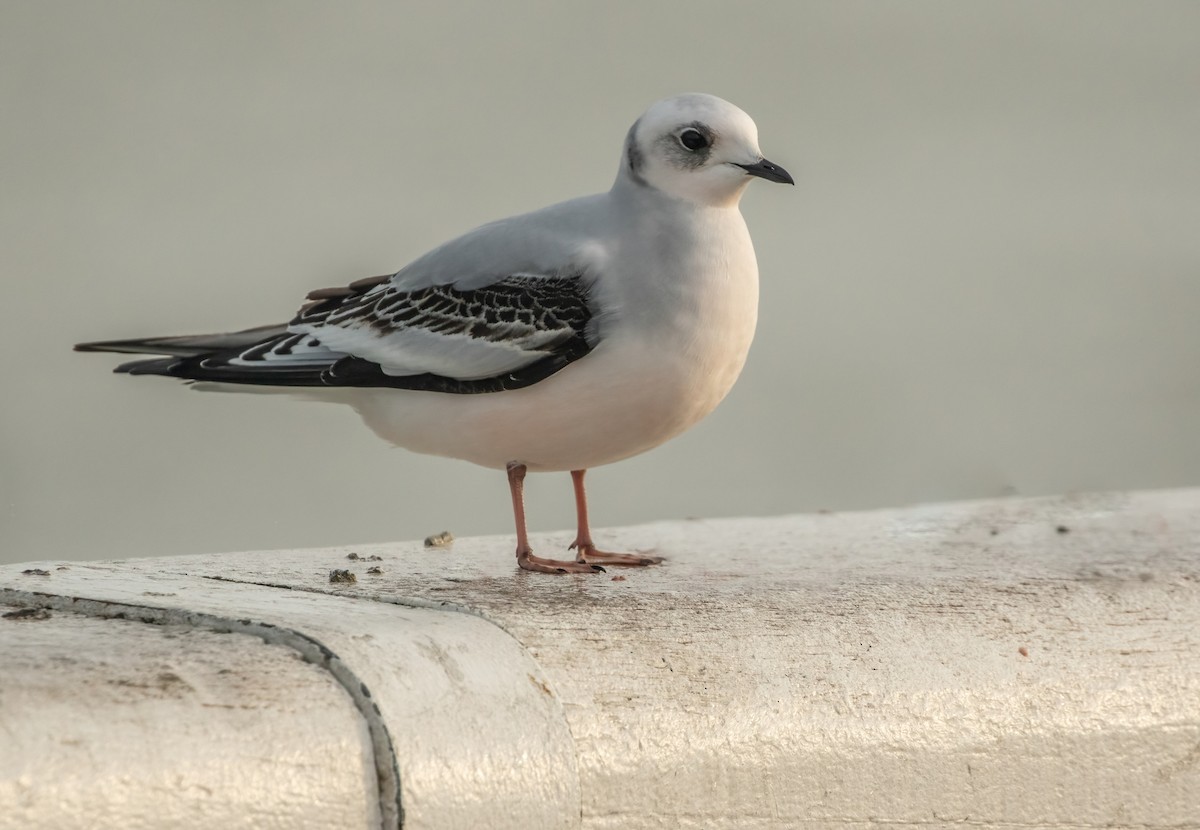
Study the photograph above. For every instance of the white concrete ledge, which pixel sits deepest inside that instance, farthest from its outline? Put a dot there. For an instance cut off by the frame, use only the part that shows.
(1017, 663)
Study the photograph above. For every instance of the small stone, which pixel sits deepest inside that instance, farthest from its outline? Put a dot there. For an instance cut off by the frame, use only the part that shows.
(374, 558)
(1024, 652)
(352, 555)
(337, 575)
(375, 570)
(35, 572)
(439, 540)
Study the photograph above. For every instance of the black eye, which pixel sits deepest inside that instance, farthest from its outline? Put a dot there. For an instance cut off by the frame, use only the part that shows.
(693, 139)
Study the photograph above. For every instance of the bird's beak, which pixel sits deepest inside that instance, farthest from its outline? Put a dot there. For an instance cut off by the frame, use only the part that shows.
(768, 170)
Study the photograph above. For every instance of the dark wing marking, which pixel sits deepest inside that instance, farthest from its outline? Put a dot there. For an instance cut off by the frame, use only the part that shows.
(515, 309)
(547, 317)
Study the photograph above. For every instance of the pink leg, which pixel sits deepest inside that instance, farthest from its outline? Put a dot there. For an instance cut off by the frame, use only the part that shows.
(525, 557)
(587, 551)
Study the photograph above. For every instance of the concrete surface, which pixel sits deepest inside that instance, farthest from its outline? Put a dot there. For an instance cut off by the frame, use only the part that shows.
(113, 723)
(1016, 663)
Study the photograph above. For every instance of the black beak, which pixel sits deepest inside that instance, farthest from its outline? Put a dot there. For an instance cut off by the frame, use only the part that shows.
(768, 170)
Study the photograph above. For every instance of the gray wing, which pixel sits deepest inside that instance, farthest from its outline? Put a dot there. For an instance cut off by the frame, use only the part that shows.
(495, 300)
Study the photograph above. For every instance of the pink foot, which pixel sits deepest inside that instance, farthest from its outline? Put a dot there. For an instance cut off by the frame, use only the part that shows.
(588, 553)
(527, 561)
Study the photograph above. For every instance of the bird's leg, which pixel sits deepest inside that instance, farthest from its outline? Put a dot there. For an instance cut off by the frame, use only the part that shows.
(525, 557)
(584, 546)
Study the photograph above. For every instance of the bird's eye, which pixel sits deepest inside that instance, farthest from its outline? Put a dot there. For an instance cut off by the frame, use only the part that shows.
(693, 140)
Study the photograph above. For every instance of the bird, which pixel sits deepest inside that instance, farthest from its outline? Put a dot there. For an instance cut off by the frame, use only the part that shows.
(558, 340)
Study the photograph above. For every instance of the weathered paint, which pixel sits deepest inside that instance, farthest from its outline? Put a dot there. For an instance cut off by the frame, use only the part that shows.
(1010, 663)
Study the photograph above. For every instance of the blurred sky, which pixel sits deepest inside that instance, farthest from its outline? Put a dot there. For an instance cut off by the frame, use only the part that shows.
(987, 281)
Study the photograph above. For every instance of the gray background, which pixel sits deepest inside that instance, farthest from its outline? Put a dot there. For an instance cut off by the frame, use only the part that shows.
(987, 281)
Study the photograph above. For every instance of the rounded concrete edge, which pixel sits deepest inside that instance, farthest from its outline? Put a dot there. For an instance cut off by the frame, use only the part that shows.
(312, 651)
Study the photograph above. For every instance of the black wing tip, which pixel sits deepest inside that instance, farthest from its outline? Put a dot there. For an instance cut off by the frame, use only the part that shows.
(97, 346)
(145, 366)
(149, 346)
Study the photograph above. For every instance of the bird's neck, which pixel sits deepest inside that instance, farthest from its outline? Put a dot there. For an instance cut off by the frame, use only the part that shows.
(631, 189)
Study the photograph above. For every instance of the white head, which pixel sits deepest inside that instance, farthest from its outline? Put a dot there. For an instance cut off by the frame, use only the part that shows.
(696, 147)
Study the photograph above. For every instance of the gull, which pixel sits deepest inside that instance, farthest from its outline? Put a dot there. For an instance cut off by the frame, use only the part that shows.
(559, 340)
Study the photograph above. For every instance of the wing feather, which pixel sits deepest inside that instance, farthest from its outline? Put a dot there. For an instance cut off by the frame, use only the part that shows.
(465, 334)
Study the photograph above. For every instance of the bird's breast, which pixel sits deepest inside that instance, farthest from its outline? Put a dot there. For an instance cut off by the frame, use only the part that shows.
(691, 324)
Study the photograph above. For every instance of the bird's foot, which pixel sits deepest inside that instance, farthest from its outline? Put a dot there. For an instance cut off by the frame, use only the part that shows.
(528, 562)
(587, 552)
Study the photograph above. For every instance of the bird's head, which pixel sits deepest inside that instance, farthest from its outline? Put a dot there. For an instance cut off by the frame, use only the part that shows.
(698, 148)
